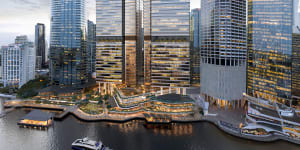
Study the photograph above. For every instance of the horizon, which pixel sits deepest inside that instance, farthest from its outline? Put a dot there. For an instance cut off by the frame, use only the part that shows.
(21, 17)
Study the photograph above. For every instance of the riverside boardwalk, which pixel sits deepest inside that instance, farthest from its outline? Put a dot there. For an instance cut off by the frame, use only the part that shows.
(219, 118)
(74, 110)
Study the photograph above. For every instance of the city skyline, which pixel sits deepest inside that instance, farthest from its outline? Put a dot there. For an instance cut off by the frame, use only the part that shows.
(150, 74)
(22, 15)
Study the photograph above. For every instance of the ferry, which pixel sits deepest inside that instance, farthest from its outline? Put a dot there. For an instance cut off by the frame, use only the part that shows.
(87, 144)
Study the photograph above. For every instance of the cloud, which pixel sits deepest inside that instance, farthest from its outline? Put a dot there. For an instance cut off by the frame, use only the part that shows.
(20, 16)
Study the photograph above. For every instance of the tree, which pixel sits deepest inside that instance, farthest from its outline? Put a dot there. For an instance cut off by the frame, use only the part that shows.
(85, 102)
(106, 97)
(88, 96)
(74, 98)
(100, 100)
(4, 90)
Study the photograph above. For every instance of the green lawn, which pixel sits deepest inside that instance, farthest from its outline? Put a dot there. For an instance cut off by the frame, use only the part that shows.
(91, 108)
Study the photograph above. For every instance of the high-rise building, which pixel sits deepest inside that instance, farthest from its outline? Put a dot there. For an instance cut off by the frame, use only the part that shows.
(40, 46)
(170, 44)
(273, 51)
(21, 39)
(68, 42)
(273, 66)
(18, 62)
(91, 47)
(1, 64)
(223, 51)
(143, 42)
(110, 42)
(195, 47)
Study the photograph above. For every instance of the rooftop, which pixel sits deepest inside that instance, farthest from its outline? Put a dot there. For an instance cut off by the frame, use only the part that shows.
(37, 115)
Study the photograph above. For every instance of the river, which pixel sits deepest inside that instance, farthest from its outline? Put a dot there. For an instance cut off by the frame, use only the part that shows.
(133, 135)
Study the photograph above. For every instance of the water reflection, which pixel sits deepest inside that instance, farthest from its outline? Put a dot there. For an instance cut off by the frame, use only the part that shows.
(133, 135)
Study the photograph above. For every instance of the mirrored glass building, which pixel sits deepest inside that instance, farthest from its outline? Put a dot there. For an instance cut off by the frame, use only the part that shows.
(195, 47)
(40, 46)
(68, 42)
(91, 47)
(273, 56)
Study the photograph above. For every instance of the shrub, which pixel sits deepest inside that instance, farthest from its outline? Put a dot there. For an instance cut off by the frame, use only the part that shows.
(30, 89)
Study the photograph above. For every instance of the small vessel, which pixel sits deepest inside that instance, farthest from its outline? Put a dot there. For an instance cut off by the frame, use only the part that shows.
(87, 144)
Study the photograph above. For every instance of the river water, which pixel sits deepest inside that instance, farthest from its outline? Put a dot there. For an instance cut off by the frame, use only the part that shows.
(134, 135)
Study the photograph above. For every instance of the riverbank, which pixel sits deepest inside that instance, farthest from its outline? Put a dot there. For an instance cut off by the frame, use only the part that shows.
(121, 118)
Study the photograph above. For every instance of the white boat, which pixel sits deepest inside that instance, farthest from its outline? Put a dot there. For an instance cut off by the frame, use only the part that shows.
(87, 144)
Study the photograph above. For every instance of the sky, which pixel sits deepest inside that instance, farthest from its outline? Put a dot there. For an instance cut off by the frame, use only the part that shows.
(18, 17)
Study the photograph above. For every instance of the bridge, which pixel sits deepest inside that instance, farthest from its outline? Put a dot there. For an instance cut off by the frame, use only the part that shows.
(4, 97)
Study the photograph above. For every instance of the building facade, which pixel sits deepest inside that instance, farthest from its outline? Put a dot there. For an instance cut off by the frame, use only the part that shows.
(170, 44)
(109, 52)
(68, 43)
(40, 46)
(195, 47)
(273, 44)
(223, 51)
(1, 64)
(18, 62)
(143, 42)
(91, 47)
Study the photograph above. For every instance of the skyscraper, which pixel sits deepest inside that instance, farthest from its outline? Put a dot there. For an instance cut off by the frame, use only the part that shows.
(195, 47)
(143, 42)
(91, 47)
(1, 64)
(223, 51)
(170, 44)
(273, 51)
(273, 65)
(68, 42)
(18, 62)
(40, 46)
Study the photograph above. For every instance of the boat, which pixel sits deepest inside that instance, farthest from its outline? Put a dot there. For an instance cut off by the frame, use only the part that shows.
(87, 144)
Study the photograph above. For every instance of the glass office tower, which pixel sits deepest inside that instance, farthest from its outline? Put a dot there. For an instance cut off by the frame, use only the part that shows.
(143, 42)
(68, 42)
(109, 46)
(91, 47)
(40, 46)
(195, 47)
(273, 43)
(170, 44)
(223, 51)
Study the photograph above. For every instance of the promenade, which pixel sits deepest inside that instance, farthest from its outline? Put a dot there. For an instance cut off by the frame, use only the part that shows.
(226, 120)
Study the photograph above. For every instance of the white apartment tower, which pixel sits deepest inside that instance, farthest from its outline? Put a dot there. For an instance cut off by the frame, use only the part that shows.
(18, 62)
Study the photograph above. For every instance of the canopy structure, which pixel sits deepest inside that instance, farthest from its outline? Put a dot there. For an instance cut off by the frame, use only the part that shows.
(37, 115)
